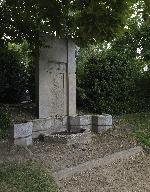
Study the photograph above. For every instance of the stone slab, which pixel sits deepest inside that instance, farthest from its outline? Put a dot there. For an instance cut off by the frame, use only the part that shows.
(56, 78)
(22, 130)
(26, 141)
(48, 126)
(69, 139)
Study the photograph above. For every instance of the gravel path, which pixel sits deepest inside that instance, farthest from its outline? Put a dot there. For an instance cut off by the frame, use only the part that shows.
(131, 175)
(61, 156)
(121, 176)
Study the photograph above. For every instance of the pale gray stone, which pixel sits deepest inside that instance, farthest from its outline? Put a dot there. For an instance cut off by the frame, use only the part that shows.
(100, 128)
(71, 93)
(71, 58)
(69, 139)
(48, 126)
(43, 124)
(54, 50)
(80, 120)
(22, 130)
(102, 120)
(56, 79)
(26, 141)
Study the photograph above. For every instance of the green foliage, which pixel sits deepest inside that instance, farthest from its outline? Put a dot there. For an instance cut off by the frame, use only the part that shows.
(141, 122)
(107, 84)
(111, 77)
(4, 123)
(85, 21)
(28, 177)
(15, 74)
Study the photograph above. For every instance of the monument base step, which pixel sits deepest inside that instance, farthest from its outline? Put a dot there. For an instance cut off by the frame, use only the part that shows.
(68, 138)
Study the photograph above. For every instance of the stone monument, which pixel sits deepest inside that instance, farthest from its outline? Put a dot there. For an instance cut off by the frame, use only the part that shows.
(56, 97)
(57, 78)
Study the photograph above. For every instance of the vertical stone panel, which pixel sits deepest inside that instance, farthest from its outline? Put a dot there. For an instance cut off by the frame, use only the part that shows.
(71, 77)
(57, 79)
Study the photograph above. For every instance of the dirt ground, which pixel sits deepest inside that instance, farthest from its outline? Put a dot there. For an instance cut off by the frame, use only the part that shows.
(126, 176)
(132, 175)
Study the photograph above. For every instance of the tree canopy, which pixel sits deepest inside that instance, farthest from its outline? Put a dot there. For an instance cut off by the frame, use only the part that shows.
(83, 20)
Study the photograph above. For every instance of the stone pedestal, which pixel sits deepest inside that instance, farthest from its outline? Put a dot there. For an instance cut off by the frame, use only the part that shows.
(22, 134)
(56, 78)
(78, 123)
(101, 123)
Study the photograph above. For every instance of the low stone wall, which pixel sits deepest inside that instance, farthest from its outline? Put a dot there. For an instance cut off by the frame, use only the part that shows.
(22, 134)
(49, 126)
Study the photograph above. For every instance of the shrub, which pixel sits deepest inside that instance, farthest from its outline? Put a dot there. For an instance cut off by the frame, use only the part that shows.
(107, 83)
(4, 123)
(14, 77)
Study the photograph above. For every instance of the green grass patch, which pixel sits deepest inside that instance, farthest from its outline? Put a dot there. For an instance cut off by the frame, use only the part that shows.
(141, 121)
(28, 177)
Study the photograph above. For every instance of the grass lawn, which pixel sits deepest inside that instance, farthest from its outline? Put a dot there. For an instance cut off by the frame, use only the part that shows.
(28, 177)
(141, 121)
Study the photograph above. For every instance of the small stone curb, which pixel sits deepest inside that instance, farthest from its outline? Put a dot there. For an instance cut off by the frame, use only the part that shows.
(123, 155)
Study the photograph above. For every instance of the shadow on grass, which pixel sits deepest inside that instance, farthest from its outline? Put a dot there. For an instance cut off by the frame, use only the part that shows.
(141, 122)
(28, 177)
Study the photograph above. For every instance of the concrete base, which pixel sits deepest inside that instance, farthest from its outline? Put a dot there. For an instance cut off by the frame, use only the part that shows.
(69, 139)
(65, 129)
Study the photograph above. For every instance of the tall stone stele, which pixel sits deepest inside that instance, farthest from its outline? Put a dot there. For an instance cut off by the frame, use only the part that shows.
(56, 78)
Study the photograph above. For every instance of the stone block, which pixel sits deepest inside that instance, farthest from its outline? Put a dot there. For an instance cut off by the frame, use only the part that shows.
(22, 130)
(100, 128)
(26, 141)
(102, 120)
(43, 124)
(49, 126)
(69, 139)
(77, 123)
(80, 120)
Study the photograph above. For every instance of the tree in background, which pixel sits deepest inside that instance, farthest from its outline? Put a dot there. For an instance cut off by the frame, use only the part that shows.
(85, 21)
(111, 76)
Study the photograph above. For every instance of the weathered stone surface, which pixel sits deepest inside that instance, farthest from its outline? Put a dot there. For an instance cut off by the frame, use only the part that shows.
(101, 123)
(56, 79)
(100, 128)
(80, 120)
(43, 124)
(76, 123)
(54, 50)
(69, 139)
(26, 141)
(71, 95)
(48, 126)
(22, 130)
(102, 120)
(71, 58)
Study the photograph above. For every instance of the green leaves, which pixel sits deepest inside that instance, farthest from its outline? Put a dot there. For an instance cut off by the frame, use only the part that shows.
(90, 21)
